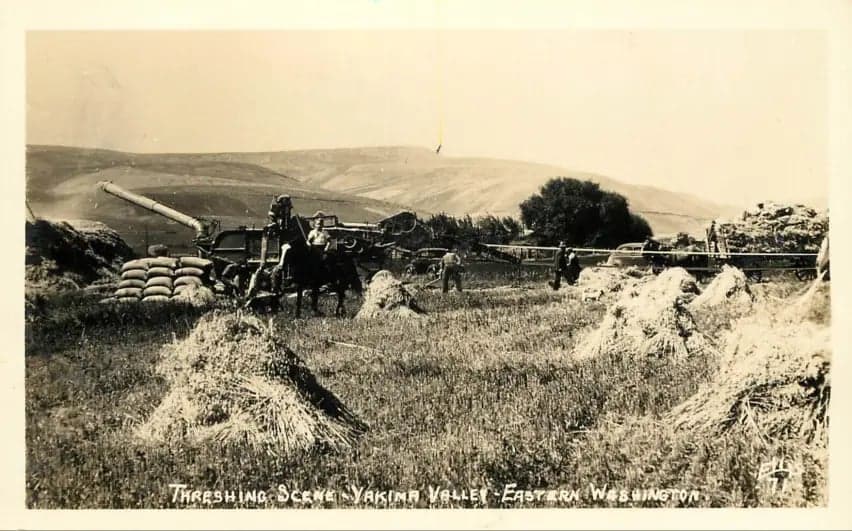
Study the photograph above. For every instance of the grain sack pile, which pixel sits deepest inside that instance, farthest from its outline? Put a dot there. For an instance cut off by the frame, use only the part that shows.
(772, 227)
(729, 289)
(63, 255)
(651, 319)
(163, 278)
(774, 378)
(387, 297)
(232, 381)
(596, 282)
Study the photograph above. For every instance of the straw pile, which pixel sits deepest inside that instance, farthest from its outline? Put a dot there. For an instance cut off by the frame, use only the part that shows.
(650, 319)
(597, 282)
(163, 278)
(63, 255)
(728, 288)
(232, 381)
(387, 297)
(774, 379)
(773, 227)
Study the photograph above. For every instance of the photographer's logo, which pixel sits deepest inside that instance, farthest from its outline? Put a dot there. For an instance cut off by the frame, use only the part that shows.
(779, 473)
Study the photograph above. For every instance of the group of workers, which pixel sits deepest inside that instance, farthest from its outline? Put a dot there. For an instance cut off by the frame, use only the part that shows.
(566, 264)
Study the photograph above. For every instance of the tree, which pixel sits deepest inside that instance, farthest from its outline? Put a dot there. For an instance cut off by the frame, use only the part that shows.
(582, 214)
(492, 229)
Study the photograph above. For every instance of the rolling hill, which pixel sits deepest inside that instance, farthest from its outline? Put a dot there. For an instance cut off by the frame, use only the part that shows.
(61, 185)
(357, 184)
(476, 186)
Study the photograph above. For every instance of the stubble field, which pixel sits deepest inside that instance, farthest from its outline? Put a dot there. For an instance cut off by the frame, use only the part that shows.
(482, 393)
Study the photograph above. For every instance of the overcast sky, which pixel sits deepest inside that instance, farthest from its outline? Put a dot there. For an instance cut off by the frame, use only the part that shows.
(725, 114)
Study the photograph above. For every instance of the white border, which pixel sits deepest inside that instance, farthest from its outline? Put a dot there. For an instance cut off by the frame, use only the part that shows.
(18, 16)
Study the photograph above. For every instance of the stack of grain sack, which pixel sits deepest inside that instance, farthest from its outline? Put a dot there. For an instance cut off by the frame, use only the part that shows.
(163, 278)
(772, 227)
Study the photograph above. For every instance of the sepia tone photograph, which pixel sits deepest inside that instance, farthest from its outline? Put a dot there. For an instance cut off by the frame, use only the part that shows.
(427, 269)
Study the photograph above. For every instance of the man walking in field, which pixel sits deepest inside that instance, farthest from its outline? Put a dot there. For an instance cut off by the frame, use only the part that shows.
(451, 268)
(560, 266)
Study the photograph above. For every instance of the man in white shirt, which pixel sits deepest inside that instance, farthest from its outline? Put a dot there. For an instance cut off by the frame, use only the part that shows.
(451, 268)
(318, 240)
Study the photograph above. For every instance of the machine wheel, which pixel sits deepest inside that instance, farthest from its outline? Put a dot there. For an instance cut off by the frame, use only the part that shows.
(409, 270)
(433, 270)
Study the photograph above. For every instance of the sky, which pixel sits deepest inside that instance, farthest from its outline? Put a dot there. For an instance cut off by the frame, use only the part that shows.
(736, 116)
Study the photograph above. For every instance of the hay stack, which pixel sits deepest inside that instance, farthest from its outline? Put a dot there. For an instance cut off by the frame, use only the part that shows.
(63, 255)
(774, 379)
(596, 282)
(773, 227)
(233, 381)
(651, 319)
(729, 288)
(387, 297)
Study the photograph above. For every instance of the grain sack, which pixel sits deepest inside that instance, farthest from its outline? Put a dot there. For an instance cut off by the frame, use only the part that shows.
(158, 271)
(156, 298)
(194, 261)
(650, 319)
(387, 297)
(139, 263)
(131, 283)
(165, 282)
(129, 292)
(187, 281)
(157, 290)
(189, 271)
(233, 381)
(162, 261)
(135, 274)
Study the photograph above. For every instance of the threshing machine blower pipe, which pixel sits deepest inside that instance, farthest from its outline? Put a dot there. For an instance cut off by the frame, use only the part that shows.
(201, 229)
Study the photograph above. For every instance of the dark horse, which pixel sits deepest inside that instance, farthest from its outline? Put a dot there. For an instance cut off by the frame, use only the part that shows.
(306, 269)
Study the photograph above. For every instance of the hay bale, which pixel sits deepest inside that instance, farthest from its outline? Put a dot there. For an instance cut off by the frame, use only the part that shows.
(729, 288)
(232, 381)
(774, 380)
(387, 297)
(650, 319)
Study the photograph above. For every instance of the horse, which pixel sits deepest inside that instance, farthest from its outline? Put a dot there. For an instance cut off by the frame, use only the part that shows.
(308, 270)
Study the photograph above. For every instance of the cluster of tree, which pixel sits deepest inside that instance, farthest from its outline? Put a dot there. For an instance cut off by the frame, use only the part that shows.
(564, 209)
(581, 214)
(488, 229)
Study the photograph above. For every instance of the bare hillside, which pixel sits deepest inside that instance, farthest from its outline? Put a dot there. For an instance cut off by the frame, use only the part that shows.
(427, 181)
(61, 185)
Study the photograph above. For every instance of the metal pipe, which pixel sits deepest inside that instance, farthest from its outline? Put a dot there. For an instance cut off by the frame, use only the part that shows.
(154, 206)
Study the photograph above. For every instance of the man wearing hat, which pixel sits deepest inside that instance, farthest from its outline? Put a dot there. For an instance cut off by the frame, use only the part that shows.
(560, 266)
(280, 211)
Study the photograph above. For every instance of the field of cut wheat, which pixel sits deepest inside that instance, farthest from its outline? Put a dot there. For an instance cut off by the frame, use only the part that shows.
(481, 400)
